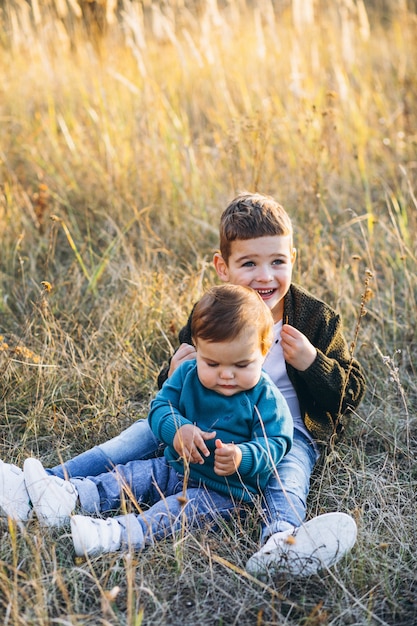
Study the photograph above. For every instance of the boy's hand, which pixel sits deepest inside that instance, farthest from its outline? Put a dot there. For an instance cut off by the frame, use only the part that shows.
(189, 443)
(184, 353)
(297, 349)
(227, 458)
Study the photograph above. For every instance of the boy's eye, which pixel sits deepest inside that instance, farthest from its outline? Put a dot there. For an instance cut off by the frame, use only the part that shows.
(278, 262)
(242, 365)
(248, 264)
(211, 364)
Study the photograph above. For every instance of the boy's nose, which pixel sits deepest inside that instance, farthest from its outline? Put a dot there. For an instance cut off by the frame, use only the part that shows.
(264, 274)
(226, 374)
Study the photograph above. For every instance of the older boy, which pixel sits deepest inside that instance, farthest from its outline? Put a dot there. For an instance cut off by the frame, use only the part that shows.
(225, 426)
(309, 362)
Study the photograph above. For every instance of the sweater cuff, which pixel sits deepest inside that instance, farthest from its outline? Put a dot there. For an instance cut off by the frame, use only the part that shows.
(245, 466)
(170, 427)
(321, 367)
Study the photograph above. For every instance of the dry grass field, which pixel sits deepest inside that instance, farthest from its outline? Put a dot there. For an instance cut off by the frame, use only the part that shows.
(123, 135)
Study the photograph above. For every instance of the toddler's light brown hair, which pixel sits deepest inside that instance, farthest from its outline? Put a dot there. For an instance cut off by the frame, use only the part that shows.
(227, 310)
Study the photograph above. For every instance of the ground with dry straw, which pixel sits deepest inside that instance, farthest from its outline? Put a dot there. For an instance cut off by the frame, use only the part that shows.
(122, 138)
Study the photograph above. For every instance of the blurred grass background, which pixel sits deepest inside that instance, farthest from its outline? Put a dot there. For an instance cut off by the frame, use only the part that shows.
(125, 129)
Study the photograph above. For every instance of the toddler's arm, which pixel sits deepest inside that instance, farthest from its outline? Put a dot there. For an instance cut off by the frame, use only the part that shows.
(271, 437)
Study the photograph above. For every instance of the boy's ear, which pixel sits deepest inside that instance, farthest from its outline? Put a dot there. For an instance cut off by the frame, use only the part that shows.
(293, 255)
(221, 268)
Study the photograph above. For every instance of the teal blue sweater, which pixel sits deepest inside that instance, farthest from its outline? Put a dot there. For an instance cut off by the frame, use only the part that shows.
(334, 384)
(258, 421)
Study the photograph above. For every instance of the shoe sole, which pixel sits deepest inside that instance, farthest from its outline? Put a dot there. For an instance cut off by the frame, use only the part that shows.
(318, 544)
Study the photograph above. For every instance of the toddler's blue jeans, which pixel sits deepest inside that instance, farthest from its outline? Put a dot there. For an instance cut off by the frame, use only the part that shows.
(285, 496)
(152, 482)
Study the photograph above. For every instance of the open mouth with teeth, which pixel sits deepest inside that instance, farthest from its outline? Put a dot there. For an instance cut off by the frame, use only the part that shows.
(265, 293)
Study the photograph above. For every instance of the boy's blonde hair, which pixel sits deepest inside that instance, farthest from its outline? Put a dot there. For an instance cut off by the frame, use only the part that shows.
(252, 215)
(226, 310)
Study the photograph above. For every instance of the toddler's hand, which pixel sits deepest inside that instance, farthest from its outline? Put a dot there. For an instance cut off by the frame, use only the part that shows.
(189, 443)
(227, 458)
(297, 349)
(184, 353)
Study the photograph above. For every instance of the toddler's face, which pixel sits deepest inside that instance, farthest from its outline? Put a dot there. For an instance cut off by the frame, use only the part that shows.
(229, 367)
(264, 264)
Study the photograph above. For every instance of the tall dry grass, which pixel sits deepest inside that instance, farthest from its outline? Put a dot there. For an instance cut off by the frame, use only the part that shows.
(120, 145)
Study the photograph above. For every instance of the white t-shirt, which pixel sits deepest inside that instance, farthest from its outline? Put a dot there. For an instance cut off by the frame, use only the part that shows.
(274, 366)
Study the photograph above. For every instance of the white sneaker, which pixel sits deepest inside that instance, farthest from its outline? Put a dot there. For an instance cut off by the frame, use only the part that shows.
(318, 544)
(14, 498)
(53, 499)
(93, 536)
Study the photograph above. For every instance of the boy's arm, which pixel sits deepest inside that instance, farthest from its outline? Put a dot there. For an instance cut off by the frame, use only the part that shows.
(335, 379)
(184, 338)
(334, 382)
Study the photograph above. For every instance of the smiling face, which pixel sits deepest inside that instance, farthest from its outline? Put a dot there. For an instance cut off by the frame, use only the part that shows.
(229, 367)
(265, 264)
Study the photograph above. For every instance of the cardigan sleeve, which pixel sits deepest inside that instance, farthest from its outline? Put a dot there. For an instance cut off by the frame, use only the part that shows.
(334, 384)
(335, 379)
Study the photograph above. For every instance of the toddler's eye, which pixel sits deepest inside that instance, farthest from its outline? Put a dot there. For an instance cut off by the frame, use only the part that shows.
(248, 264)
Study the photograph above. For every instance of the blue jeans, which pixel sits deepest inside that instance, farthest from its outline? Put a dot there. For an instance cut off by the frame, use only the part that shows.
(285, 496)
(151, 482)
(134, 443)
